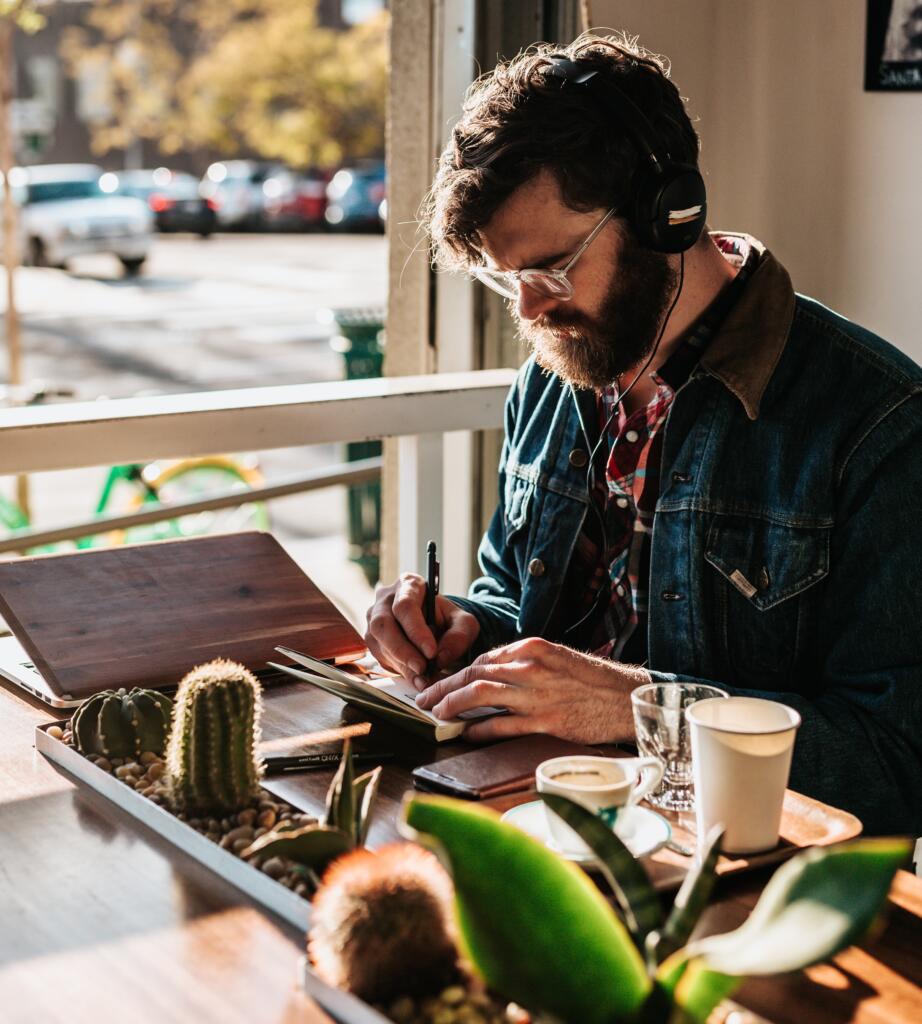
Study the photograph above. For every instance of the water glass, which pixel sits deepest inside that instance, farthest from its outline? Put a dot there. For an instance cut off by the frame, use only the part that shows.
(663, 732)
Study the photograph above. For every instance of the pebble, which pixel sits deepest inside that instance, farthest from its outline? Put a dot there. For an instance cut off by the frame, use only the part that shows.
(242, 832)
(55, 732)
(239, 845)
(260, 832)
(267, 818)
(122, 771)
(105, 764)
(275, 867)
(247, 817)
(149, 757)
(268, 805)
(156, 770)
(117, 762)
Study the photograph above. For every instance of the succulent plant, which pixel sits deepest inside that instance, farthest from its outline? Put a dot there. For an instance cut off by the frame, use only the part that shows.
(537, 930)
(382, 925)
(116, 723)
(343, 828)
(211, 758)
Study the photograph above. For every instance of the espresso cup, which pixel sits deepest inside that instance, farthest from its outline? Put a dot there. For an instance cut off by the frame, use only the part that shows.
(741, 758)
(602, 785)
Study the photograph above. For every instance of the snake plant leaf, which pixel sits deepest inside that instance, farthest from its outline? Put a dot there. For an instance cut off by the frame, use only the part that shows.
(313, 846)
(816, 905)
(689, 903)
(340, 809)
(533, 925)
(628, 880)
(365, 792)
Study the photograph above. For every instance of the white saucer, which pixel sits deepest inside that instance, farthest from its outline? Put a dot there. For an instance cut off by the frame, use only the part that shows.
(641, 830)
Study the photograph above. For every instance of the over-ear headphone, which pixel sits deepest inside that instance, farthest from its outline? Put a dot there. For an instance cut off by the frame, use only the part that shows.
(670, 202)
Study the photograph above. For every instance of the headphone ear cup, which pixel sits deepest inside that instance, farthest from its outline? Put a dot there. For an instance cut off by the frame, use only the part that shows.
(671, 209)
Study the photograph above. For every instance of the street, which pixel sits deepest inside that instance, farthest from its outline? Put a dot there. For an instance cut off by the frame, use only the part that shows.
(232, 311)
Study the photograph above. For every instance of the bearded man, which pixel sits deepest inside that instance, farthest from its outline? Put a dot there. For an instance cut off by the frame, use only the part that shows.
(705, 476)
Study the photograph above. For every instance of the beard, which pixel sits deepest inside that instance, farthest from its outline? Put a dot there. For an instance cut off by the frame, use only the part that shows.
(592, 352)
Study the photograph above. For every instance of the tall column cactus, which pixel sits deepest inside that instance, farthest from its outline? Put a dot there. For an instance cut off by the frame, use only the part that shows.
(212, 764)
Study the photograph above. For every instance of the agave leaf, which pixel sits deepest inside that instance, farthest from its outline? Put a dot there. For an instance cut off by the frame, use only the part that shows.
(628, 880)
(534, 926)
(340, 811)
(690, 902)
(313, 846)
(365, 791)
(816, 905)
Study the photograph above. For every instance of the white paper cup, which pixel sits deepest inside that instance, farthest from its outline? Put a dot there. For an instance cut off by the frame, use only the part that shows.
(741, 759)
(631, 778)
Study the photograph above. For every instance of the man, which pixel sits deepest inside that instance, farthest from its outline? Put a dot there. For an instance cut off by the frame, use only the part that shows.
(704, 476)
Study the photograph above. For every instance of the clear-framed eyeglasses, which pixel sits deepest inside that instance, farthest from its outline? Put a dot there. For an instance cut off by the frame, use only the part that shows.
(553, 284)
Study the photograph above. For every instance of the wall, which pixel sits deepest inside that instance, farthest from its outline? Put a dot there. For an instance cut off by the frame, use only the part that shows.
(795, 152)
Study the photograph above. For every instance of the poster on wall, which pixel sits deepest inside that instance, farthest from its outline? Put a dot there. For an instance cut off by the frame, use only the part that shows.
(893, 46)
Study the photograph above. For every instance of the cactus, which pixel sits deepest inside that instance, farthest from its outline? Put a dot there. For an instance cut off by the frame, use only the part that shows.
(212, 764)
(382, 925)
(119, 724)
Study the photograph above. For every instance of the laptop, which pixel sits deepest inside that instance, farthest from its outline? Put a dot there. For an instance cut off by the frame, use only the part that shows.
(145, 614)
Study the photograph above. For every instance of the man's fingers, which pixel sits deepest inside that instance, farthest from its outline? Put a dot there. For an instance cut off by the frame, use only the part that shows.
(385, 637)
(408, 611)
(481, 694)
(499, 727)
(456, 640)
(440, 689)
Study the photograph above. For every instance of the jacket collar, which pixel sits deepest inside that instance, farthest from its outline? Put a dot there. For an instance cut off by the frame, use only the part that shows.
(744, 352)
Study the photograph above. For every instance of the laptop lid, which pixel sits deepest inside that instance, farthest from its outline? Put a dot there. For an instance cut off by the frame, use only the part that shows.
(145, 614)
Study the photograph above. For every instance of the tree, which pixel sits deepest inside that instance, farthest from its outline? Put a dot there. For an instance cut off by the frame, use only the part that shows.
(236, 76)
(15, 15)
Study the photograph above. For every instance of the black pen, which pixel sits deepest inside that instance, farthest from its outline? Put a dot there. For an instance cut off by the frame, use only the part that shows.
(432, 590)
(277, 764)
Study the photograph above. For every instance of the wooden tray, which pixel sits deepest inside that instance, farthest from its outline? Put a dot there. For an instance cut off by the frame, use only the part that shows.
(804, 822)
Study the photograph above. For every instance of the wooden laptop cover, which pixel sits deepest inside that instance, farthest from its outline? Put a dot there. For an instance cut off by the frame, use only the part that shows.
(144, 614)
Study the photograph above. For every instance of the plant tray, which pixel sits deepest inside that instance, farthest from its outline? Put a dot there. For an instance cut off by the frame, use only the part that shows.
(258, 886)
(343, 1007)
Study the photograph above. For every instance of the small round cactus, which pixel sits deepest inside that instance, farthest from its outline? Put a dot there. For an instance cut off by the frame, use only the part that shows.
(116, 723)
(382, 924)
(211, 757)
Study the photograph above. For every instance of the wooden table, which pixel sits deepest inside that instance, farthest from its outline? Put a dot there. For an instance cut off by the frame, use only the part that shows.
(102, 921)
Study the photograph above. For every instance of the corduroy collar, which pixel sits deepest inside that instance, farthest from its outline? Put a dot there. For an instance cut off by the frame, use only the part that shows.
(746, 348)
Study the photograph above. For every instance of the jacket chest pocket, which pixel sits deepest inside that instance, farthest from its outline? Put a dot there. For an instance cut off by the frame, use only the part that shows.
(517, 500)
(765, 616)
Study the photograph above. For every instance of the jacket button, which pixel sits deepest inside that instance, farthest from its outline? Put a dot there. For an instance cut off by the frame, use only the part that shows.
(671, 595)
(681, 478)
(578, 458)
(536, 567)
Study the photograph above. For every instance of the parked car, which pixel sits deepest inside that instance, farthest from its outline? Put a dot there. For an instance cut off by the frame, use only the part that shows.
(236, 188)
(70, 210)
(296, 201)
(174, 199)
(354, 197)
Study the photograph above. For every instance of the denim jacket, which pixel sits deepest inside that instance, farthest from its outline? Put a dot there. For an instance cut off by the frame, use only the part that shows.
(786, 558)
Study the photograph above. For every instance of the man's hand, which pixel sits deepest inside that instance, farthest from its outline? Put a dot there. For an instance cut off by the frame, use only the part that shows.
(400, 639)
(547, 688)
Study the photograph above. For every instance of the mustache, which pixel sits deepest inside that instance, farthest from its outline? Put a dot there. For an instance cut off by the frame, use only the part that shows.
(562, 319)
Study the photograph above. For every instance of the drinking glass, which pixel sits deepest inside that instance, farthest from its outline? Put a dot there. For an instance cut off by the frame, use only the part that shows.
(663, 733)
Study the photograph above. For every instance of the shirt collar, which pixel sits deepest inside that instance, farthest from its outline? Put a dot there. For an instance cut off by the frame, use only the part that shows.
(746, 348)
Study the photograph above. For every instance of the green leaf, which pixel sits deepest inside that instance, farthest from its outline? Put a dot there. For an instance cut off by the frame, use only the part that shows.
(623, 872)
(340, 812)
(365, 792)
(816, 905)
(313, 846)
(533, 925)
(689, 903)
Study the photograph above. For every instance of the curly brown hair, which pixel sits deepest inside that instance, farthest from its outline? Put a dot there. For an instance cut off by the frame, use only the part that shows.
(517, 120)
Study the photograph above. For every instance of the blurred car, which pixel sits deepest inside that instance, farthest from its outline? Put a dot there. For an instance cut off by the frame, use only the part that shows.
(236, 188)
(70, 210)
(174, 199)
(354, 197)
(296, 201)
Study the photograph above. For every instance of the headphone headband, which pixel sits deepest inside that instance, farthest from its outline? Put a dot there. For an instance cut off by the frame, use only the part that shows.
(670, 202)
